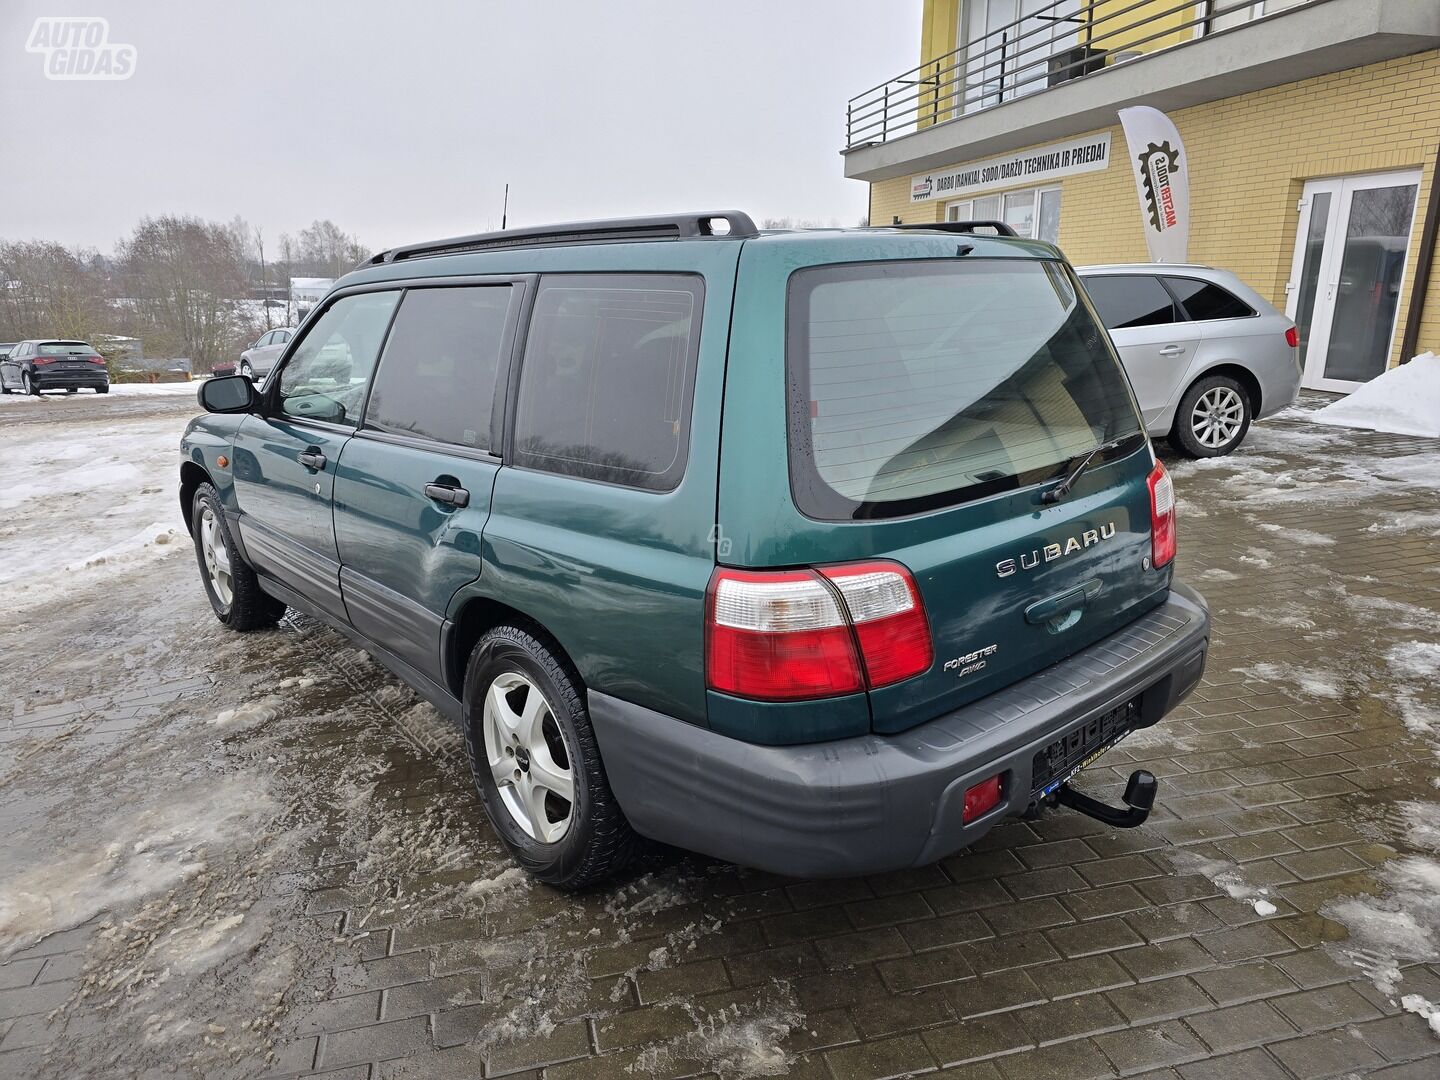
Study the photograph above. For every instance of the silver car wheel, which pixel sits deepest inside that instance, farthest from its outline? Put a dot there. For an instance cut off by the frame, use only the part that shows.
(1218, 416)
(217, 557)
(520, 731)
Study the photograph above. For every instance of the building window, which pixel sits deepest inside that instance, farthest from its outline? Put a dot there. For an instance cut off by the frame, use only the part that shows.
(1034, 213)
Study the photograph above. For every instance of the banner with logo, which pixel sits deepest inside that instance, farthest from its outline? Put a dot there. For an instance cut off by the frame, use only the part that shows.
(1085, 154)
(1162, 180)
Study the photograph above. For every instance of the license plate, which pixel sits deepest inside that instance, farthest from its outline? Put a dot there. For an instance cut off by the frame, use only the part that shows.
(1059, 762)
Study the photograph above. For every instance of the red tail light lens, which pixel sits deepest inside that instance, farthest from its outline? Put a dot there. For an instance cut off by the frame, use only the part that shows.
(778, 637)
(981, 799)
(792, 634)
(1162, 516)
(889, 619)
(96, 359)
(1292, 338)
(44, 360)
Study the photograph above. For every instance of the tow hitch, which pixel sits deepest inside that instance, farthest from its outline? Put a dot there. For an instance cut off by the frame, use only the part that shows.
(1139, 797)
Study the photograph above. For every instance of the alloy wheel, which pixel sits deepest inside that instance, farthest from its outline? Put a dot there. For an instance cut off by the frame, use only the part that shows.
(1218, 416)
(217, 557)
(527, 757)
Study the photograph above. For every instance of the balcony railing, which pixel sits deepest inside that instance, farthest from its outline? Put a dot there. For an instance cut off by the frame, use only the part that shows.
(1051, 44)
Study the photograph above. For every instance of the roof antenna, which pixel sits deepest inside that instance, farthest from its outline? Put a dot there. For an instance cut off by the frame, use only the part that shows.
(505, 208)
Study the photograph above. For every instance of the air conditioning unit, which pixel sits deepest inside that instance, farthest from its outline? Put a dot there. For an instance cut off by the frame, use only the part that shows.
(1073, 63)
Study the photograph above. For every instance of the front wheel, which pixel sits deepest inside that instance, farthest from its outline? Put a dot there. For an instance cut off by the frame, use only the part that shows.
(230, 583)
(247, 370)
(536, 763)
(1212, 419)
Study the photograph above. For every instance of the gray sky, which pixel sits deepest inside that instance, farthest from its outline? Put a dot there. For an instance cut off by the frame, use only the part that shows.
(402, 121)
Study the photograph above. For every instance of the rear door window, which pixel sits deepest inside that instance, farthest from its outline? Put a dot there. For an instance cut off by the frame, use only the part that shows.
(437, 376)
(608, 376)
(326, 374)
(1126, 300)
(916, 385)
(1203, 300)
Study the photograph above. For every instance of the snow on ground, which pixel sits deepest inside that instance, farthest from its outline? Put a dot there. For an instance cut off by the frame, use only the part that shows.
(136, 389)
(1405, 400)
(78, 503)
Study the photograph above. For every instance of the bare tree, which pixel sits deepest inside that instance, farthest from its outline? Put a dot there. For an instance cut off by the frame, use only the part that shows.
(185, 279)
(49, 290)
(327, 251)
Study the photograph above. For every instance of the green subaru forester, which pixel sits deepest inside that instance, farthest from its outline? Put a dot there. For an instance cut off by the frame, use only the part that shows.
(819, 551)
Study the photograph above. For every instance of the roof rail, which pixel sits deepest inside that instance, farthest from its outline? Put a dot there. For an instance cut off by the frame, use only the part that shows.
(968, 227)
(606, 231)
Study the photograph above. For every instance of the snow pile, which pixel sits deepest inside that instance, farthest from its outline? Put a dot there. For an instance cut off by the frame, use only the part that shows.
(1404, 400)
(1317, 684)
(1416, 667)
(251, 714)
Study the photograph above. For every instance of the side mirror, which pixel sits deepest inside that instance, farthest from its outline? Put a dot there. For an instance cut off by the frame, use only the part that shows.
(227, 394)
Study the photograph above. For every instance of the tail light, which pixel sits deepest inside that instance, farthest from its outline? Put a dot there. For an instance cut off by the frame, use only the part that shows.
(96, 359)
(1162, 516)
(41, 360)
(1292, 338)
(802, 634)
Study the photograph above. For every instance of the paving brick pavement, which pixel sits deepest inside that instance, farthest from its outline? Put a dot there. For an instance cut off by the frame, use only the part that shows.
(1056, 948)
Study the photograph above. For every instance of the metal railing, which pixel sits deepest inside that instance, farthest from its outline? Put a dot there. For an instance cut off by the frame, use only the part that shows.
(1053, 44)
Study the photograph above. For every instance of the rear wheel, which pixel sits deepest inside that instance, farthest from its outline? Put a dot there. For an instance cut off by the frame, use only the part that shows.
(230, 583)
(103, 389)
(536, 763)
(1212, 419)
(27, 384)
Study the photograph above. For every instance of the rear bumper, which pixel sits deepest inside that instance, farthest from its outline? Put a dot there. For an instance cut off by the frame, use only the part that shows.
(70, 380)
(877, 803)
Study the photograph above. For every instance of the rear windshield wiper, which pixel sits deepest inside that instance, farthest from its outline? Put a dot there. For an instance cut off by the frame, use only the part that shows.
(1062, 489)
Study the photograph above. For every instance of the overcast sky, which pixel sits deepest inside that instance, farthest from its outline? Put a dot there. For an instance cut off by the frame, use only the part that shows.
(403, 121)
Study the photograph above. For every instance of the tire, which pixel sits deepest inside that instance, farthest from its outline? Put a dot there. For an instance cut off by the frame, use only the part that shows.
(592, 840)
(3, 388)
(70, 390)
(103, 389)
(1213, 417)
(236, 597)
(247, 370)
(28, 385)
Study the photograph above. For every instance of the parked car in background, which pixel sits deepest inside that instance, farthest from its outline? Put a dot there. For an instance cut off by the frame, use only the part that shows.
(36, 365)
(571, 531)
(5, 347)
(259, 358)
(1205, 353)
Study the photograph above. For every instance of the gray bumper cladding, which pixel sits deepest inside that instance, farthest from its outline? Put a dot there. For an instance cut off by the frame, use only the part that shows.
(885, 802)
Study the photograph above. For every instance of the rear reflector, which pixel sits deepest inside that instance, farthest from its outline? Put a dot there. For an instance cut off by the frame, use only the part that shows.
(981, 799)
(1292, 338)
(1162, 516)
(793, 634)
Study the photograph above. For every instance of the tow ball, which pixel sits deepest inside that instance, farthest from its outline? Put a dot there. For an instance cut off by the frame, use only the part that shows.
(1139, 798)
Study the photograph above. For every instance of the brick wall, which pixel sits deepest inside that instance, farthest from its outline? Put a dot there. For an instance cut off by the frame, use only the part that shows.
(1249, 159)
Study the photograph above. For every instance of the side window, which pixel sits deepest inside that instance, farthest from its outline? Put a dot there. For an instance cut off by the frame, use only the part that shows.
(281, 336)
(265, 339)
(1202, 300)
(1124, 301)
(437, 377)
(326, 375)
(608, 377)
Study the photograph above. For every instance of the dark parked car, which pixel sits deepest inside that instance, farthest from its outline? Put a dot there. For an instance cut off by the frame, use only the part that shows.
(33, 366)
(820, 552)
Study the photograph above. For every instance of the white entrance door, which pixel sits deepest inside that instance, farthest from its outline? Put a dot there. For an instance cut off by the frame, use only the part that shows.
(1347, 274)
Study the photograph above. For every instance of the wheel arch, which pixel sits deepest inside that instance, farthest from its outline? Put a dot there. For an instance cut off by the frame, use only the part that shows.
(1239, 372)
(192, 475)
(477, 616)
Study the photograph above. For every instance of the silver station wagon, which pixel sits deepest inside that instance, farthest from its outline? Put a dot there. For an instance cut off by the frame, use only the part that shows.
(1205, 353)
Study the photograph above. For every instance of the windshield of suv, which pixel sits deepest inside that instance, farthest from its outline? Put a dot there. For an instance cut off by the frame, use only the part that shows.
(916, 385)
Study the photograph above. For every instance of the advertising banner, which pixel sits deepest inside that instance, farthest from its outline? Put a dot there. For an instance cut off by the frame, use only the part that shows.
(1162, 181)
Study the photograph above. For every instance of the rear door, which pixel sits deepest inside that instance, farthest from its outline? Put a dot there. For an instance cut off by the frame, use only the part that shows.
(286, 454)
(1156, 343)
(412, 493)
(930, 402)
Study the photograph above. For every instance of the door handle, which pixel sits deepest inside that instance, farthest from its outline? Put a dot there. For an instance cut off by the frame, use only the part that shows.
(312, 458)
(1172, 350)
(448, 494)
(1043, 611)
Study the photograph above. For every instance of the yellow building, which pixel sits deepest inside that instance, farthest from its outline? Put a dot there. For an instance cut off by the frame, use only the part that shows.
(1312, 129)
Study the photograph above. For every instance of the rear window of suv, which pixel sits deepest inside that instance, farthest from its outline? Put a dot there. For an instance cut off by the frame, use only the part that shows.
(917, 385)
(63, 348)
